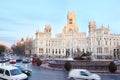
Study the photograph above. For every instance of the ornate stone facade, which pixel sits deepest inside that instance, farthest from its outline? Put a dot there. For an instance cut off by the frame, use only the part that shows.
(100, 42)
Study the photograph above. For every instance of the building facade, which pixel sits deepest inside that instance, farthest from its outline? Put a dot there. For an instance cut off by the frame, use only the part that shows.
(99, 41)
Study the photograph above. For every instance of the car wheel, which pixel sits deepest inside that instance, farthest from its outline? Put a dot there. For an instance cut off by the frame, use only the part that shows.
(72, 78)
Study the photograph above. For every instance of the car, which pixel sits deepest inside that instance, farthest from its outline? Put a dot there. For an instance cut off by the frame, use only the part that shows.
(18, 59)
(82, 74)
(24, 70)
(9, 72)
(26, 60)
(12, 61)
(3, 59)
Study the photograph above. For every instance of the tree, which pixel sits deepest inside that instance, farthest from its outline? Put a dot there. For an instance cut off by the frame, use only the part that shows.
(19, 48)
(67, 66)
(112, 67)
(28, 46)
(2, 49)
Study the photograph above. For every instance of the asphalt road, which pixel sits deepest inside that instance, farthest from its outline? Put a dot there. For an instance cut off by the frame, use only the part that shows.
(46, 74)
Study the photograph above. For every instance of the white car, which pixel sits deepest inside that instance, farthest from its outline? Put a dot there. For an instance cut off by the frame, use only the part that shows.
(82, 74)
(12, 73)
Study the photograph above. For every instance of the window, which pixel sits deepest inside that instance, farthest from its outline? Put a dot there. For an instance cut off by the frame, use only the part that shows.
(83, 73)
(106, 50)
(46, 50)
(106, 42)
(114, 41)
(59, 51)
(53, 51)
(110, 41)
(15, 72)
(63, 51)
(99, 50)
(99, 42)
(70, 21)
(1, 71)
(7, 73)
(56, 51)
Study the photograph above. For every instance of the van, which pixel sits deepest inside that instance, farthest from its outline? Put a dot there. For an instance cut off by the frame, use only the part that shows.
(82, 74)
(12, 73)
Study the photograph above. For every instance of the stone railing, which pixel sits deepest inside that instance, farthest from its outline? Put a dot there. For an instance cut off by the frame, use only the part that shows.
(90, 65)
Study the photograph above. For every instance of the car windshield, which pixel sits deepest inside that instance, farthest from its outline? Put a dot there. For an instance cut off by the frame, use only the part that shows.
(15, 72)
(88, 72)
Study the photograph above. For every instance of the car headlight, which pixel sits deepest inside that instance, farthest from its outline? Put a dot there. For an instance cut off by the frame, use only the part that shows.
(98, 79)
(26, 71)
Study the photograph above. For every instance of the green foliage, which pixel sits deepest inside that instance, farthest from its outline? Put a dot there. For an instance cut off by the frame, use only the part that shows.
(18, 49)
(67, 66)
(112, 67)
(2, 49)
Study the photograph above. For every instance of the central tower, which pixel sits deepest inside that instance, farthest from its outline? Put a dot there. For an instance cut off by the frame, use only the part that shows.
(71, 18)
(71, 26)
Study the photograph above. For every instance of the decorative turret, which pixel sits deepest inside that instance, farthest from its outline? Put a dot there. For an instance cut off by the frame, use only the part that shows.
(92, 26)
(37, 34)
(47, 28)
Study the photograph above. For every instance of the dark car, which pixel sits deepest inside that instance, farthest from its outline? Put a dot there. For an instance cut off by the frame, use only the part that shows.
(26, 60)
(18, 59)
(3, 59)
(24, 70)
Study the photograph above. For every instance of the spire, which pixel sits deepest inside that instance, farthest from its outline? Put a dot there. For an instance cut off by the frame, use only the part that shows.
(108, 26)
(102, 26)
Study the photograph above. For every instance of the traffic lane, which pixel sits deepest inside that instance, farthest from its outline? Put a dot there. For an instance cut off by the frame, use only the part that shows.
(46, 74)
(109, 76)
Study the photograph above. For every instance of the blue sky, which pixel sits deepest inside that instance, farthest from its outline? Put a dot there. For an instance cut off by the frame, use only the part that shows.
(21, 18)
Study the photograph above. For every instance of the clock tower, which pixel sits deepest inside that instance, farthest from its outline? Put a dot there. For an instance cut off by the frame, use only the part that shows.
(71, 24)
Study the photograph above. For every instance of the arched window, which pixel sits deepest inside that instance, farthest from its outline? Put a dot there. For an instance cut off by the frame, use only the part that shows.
(59, 51)
(56, 51)
(70, 21)
(100, 50)
(63, 51)
(110, 41)
(106, 42)
(53, 51)
(106, 50)
(98, 42)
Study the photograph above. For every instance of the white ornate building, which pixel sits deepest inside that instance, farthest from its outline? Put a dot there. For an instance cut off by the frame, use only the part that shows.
(100, 42)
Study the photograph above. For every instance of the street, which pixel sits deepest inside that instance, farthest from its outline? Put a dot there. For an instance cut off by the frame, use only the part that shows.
(46, 74)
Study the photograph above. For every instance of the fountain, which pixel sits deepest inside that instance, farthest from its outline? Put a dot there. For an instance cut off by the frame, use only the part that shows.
(83, 61)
